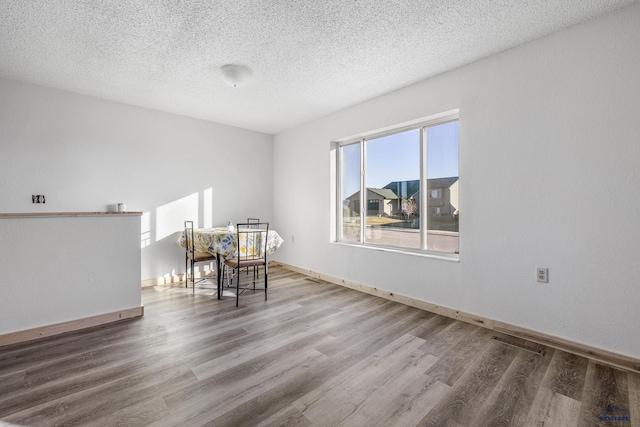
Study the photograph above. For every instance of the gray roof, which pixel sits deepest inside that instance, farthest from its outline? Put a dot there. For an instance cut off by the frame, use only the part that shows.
(384, 192)
(441, 182)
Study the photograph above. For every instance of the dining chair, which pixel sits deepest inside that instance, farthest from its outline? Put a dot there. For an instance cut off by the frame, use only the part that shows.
(252, 252)
(253, 222)
(192, 256)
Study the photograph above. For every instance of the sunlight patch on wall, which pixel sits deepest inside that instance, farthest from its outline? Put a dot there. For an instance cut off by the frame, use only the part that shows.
(145, 230)
(207, 207)
(170, 218)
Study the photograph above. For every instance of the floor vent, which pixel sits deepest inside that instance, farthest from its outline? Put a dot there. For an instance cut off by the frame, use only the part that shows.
(521, 346)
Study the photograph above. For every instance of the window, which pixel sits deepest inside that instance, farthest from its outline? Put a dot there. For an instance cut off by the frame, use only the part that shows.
(373, 207)
(412, 171)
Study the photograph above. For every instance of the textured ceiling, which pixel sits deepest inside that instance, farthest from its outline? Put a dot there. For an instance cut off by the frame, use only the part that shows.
(309, 58)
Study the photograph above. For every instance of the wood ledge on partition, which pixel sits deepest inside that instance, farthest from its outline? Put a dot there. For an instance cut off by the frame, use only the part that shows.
(70, 326)
(65, 214)
(597, 354)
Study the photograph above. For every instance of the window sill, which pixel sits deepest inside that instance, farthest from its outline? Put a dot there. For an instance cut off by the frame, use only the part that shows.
(405, 251)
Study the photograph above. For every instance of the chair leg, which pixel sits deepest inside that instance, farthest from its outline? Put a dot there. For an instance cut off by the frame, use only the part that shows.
(237, 290)
(220, 267)
(266, 276)
(193, 277)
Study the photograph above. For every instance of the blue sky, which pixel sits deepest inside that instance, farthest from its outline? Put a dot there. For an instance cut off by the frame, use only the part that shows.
(397, 158)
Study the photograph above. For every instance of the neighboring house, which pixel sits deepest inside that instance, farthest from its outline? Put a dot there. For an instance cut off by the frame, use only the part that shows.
(443, 196)
(442, 192)
(406, 190)
(395, 196)
(380, 201)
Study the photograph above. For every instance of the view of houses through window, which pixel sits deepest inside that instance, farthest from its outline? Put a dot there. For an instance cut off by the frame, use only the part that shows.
(411, 183)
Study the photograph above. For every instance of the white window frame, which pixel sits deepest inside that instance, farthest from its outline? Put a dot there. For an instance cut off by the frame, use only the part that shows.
(423, 124)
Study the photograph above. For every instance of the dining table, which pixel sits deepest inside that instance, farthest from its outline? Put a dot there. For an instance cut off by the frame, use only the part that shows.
(223, 243)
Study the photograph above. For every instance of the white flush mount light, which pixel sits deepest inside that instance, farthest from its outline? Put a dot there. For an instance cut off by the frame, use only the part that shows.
(235, 75)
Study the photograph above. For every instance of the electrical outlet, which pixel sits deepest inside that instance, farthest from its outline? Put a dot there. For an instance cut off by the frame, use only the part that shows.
(542, 275)
(37, 198)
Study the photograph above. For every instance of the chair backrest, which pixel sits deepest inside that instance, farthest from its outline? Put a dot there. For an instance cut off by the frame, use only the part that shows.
(188, 236)
(253, 222)
(252, 241)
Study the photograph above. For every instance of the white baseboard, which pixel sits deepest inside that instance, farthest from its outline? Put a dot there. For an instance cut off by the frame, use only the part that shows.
(70, 326)
(179, 278)
(599, 355)
(169, 280)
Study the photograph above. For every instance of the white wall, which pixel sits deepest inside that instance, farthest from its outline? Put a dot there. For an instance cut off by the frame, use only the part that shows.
(59, 269)
(86, 154)
(549, 177)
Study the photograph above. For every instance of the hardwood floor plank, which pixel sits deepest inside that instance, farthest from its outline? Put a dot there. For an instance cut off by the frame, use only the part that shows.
(355, 330)
(15, 356)
(454, 363)
(341, 398)
(252, 374)
(141, 414)
(463, 402)
(289, 418)
(252, 349)
(634, 398)
(225, 350)
(68, 381)
(12, 381)
(433, 327)
(439, 341)
(377, 404)
(418, 398)
(280, 397)
(313, 354)
(83, 406)
(214, 396)
(511, 400)
(551, 409)
(566, 374)
(606, 397)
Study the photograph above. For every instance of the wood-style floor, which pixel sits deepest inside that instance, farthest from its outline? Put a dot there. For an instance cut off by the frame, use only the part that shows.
(314, 354)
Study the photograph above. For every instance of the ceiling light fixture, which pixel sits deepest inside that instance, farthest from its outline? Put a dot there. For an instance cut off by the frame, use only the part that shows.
(235, 75)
